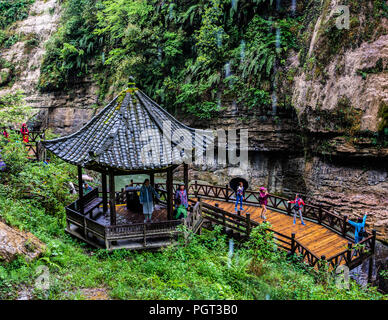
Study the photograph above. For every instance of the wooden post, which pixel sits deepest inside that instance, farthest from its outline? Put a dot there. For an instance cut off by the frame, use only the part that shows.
(104, 194)
(293, 243)
(152, 179)
(248, 217)
(320, 215)
(186, 177)
(80, 191)
(112, 196)
(373, 244)
(85, 229)
(370, 266)
(145, 235)
(323, 260)
(370, 269)
(349, 252)
(227, 193)
(196, 188)
(345, 220)
(223, 221)
(169, 186)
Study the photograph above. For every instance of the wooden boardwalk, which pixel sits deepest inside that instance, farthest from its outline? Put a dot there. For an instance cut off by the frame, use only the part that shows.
(319, 240)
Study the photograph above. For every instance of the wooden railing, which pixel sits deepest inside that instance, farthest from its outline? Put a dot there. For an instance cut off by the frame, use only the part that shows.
(351, 256)
(315, 214)
(87, 198)
(143, 231)
(34, 145)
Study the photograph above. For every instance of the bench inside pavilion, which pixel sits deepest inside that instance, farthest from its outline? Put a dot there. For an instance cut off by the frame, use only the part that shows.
(128, 137)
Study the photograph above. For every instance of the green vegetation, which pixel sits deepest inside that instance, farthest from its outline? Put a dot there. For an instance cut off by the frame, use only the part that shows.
(11, 11)
(13, 108)
(378, 68)
(32, 198)
(178, 51)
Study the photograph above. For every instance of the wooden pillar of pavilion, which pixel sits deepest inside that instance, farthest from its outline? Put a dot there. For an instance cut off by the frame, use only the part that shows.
(186, 177)
(80, 191)
(169, 186)
(112, 198)
(152, 179)
(104, 193)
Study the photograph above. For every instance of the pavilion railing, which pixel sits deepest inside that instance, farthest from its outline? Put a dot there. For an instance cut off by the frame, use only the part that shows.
(108, 234)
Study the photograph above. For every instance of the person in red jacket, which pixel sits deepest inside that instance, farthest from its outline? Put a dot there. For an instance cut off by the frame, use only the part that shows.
(25, 133)
(5, 133)
(297, 207)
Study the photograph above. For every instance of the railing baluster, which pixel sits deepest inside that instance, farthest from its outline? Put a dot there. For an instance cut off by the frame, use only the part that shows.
(248, 218)
(349, 252)
(344, 229)
(293, 243)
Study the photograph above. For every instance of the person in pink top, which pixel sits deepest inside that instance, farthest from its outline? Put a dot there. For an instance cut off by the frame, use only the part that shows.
(298, 206)
(263, 201)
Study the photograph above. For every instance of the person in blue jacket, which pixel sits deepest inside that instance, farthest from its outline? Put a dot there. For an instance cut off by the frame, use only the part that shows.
(358, 226)
(146, 199)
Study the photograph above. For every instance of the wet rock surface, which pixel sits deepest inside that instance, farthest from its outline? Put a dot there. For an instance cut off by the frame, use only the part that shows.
(14, 243)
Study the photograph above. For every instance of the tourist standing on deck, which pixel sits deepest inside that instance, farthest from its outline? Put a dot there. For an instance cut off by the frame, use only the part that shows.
(181, 194)
(180, 211)
(240, 196)
(263, 201)
(297, 207)
(146, 199)
(24, 131)
(359, 227)
(87, 188)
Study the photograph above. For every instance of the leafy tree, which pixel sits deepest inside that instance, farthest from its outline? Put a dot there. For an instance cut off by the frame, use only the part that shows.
(13, 109)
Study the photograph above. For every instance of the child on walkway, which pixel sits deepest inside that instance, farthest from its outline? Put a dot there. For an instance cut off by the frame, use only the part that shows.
(240, 196)
(298, 205)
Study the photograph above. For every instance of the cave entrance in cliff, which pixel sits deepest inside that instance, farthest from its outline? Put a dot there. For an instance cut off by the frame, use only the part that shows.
(127, 137)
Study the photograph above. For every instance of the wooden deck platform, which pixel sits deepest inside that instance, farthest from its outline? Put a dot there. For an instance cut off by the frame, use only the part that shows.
(319, 240)
(125, 216)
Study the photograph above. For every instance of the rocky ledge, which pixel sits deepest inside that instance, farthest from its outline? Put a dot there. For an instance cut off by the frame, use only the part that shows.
(14, 243)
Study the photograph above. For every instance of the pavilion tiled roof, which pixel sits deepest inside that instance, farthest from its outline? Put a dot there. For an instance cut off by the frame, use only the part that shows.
(116, 137)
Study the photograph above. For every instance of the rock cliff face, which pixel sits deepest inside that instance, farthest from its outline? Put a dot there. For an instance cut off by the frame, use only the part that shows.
(324, 145)
(62, 112)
